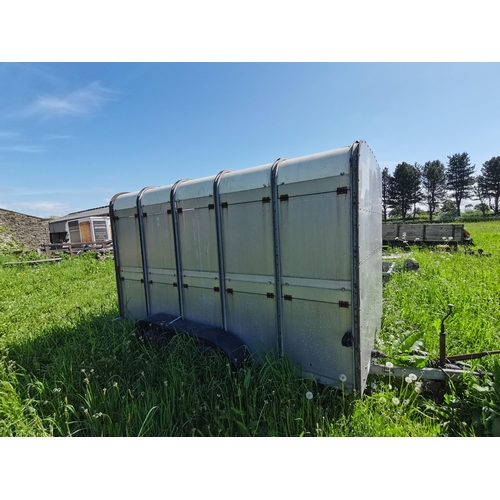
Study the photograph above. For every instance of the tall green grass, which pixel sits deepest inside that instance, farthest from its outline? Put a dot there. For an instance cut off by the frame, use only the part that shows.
(67, 368)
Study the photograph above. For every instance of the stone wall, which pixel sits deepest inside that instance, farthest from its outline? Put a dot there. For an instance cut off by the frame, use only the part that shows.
(32, 231)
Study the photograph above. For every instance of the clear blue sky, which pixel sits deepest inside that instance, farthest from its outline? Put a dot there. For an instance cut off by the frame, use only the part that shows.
(74, 134)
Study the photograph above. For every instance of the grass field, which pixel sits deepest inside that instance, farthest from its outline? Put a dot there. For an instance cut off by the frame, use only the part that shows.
(68, 369)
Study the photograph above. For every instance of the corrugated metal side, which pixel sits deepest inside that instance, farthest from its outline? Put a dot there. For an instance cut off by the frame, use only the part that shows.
(248, 251)
(315, 245)
(198, 251)
(369, 279)
(160, 250)
(128, 247)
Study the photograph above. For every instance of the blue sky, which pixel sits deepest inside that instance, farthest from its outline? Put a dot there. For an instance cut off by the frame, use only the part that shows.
(74, 134)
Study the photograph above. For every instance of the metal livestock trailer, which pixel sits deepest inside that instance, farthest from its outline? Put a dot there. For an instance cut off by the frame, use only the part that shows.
(283, 257)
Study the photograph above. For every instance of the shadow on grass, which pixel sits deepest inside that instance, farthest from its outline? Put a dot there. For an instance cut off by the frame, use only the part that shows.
(97, 379)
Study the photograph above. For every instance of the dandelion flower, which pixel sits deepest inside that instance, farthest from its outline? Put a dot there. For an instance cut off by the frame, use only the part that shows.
(389, 365)
(395, 401)
(408, 380)
(342, 377)
(309, 395)
(412, 376)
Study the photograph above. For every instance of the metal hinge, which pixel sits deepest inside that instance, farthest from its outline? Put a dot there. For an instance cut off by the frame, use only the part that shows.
(343, 303)
(287, 297)
(229, 290)
(144, 214)
(224, 204)
(142, 280)
(270, 295)
(284, 197)
(342, 190)
(169, 211)
(211, 206)
(185, 285)
(174, 284)
(216, 289)
(150, 282)
(179, 210)
(266, 199)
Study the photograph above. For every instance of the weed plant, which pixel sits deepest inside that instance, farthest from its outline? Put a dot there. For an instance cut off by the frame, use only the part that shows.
(67, 368)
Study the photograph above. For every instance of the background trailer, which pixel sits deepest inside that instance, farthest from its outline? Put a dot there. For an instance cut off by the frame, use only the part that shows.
(286, 256)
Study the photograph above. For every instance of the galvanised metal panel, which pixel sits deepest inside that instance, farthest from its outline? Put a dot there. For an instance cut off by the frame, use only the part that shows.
(248, 251)
(313, 332)
(160, 250)
(316, 270)
(199, 251)
(128, 246)
(315, 234)
(367, 180)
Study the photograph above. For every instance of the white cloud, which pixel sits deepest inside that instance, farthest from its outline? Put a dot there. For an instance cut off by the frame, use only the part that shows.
(81, 102)
(20, 148)
(40, 208)
(54, 137)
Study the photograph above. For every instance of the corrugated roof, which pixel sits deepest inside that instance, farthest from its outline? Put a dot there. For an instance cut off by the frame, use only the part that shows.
(92, 212)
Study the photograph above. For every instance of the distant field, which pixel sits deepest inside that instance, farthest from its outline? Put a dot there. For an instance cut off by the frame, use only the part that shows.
(66, 368)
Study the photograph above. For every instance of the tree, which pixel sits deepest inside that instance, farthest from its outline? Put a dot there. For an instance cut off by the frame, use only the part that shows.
(491, 181)
(460, 177)
(385, 191)
(404, 188)
(434, 185)
(481, 194)
(448, 211)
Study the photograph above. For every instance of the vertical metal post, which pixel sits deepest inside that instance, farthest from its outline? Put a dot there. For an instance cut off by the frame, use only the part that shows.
(442, 339)
(356, 348)
(116, 253)
(277, 252)
(220, 249)
(142, 238)
(178, 264)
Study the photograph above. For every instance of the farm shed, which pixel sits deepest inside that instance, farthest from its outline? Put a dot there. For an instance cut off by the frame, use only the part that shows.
(284, 256)
(87, 226)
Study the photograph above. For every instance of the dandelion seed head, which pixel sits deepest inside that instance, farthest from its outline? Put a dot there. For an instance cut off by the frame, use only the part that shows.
(418, 389)
(389, 365)
(406, 402)
(412, 376)
(408, 380)
(382, 400)
(342, 377)
(309, 395)
(395, 401)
